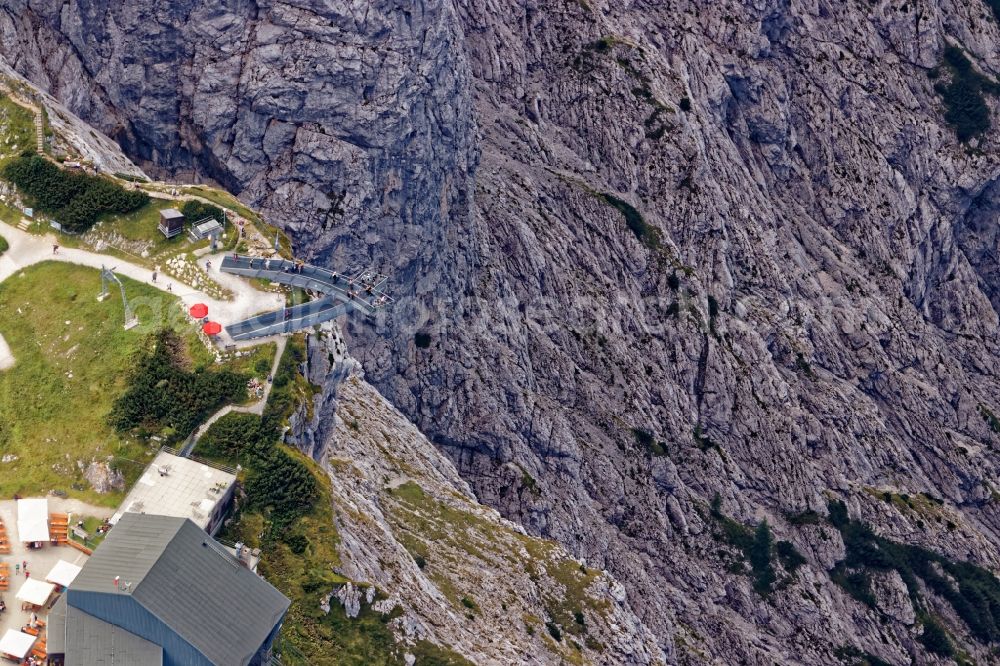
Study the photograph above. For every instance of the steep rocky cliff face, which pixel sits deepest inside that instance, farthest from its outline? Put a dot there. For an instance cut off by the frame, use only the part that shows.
(644, 253)
(460, 575)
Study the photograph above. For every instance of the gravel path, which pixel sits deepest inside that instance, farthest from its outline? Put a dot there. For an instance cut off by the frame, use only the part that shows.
(255, 408)
(27, 249)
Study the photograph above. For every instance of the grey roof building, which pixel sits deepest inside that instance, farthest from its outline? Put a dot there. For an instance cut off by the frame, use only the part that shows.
(160, 591)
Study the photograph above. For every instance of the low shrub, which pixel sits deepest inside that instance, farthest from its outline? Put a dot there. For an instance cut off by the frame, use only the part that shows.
(646, 440)
(790, 558)
(297, 543)
(162, 396)
(74, 199)
(231, 437)
(975, 593)
(646, 234)
(965, 107)
(757, 546)
(196, 211)
(852, 656)
(703, 441)
(807, 517)
(935, 638)
(759, 555)
(991, 420)
(281, 403)
(278, 482)
(856, 583)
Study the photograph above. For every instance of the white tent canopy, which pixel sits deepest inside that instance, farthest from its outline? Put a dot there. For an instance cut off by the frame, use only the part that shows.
(36, 592)
(63, 573)
(33, 519)
(16, 644)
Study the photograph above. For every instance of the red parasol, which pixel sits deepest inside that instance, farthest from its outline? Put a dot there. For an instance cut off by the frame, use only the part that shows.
(212, 327)
(199, 310)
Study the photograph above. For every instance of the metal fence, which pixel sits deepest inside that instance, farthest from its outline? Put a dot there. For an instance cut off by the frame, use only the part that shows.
(203, 461)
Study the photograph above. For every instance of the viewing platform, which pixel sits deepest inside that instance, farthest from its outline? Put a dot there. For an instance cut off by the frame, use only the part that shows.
(289, 320)
(342, 294)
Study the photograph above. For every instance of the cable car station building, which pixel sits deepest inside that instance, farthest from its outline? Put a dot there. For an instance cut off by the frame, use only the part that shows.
(159, 591)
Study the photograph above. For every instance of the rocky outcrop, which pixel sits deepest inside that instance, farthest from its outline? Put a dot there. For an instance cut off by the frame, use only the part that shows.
(327, 364)
(642, 254)
(463, 576)
(101, 476)
(350, 597)
(92, 147)
(893, 598)
(411, 526)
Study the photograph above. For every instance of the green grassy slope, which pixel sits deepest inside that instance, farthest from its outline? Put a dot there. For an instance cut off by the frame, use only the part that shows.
(72, 357)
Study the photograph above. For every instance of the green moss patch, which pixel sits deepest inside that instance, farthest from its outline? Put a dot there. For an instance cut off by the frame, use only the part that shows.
(646, 234)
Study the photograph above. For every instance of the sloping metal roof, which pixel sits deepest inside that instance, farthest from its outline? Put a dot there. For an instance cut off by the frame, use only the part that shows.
(184, 578)
(207, 226)
(128, 553)
(55, 631)
(171, 213)
(97, 643)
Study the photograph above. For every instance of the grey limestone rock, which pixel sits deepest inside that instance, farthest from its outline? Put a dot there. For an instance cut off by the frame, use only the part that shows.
(349, 596)
(101, 477)
(742, 228)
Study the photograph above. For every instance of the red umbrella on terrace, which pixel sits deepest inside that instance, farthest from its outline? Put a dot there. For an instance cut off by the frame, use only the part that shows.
(212, 328)
(199, 310)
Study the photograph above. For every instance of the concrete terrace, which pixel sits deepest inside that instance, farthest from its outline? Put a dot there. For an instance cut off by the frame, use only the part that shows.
(180, 487)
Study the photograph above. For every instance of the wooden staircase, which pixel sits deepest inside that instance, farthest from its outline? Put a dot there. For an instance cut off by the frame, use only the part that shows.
(59, 528)
(39, 131)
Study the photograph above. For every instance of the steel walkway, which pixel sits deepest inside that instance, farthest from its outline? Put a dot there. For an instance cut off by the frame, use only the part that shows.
(342, 294)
